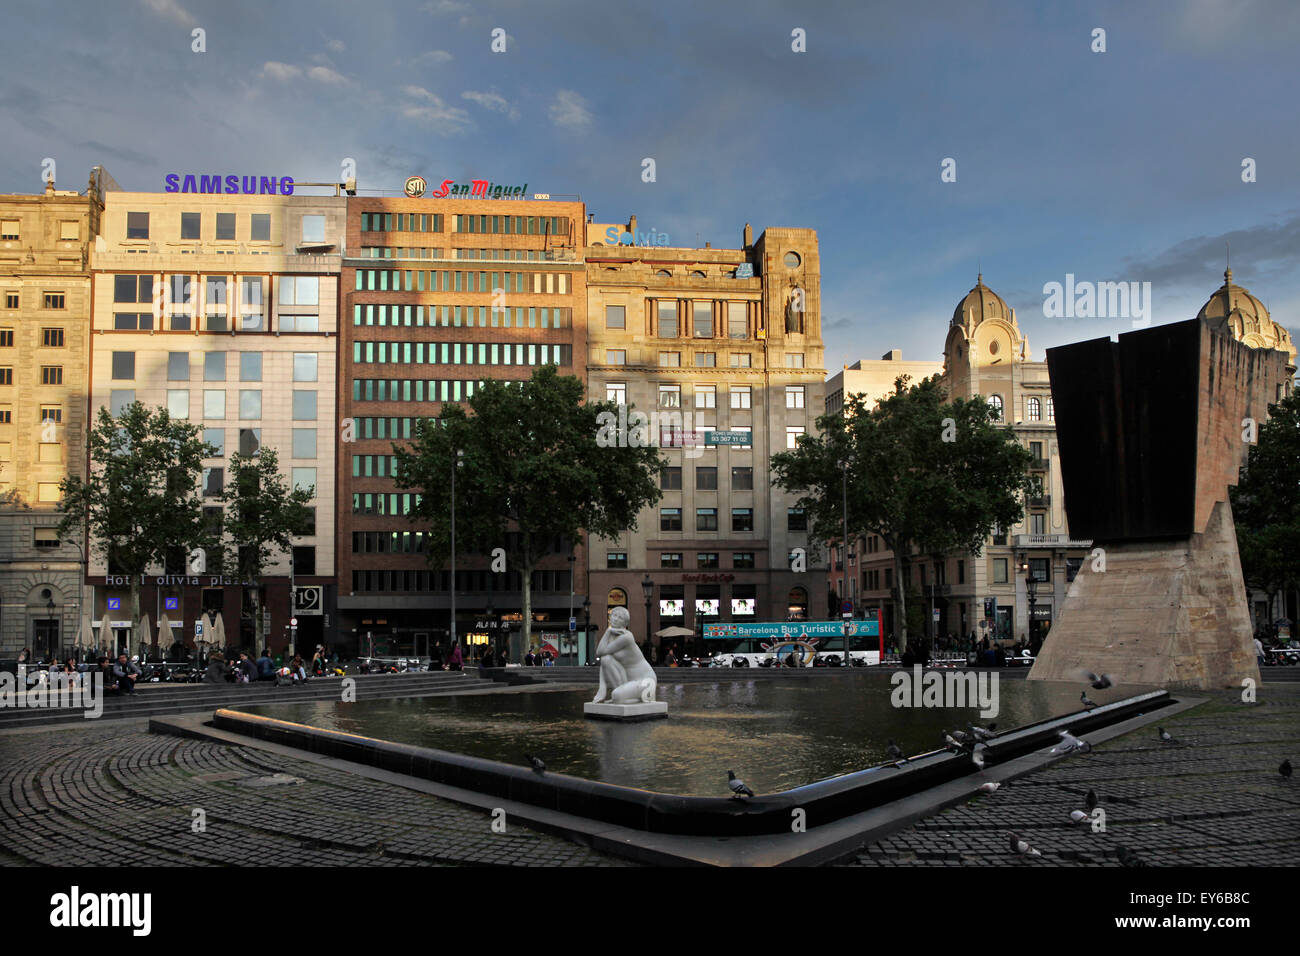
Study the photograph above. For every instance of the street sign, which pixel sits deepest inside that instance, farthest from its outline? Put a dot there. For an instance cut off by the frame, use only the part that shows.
(714, 437)
(847, 607)
(293, 622)
(172, 604)
(198, 628)
(573, 623)
(936, 615)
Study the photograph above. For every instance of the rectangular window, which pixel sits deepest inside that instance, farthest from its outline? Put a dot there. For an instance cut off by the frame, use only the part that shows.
(706, 478)
(178, 402)
(742, 560)
(740, 360)
(52, 413)
(707, 560)
(250, 404)
(740, 396)
(9, 228)
(123, 366)
(214, 366)
(667, 319)
(616, 560)
(55, 300)
(305, 478)
(300, 290)
(670, 519)
(304, 406)
(250, 366)
(706, 359)
(304, 443)
(69, 229)
(304, 366)
(703, 314)
(178, 366)
(670, 479)
(137, 225)
(670, 359)
(259, 229)
(615, 317)
(742, 519)
(216, 437)
(670, 396)
(191, 225)
(737, 320)
(47, 491)
(45, 538)
(742, 478)
(313, 230)
(214, 482)
(11, 300)
(615, 357)
(226, 226)
(1038, 523)
(670, 559)
(50, 338)
(616, 392)
(796, 519)
(6, 375)
(6, 338)
(706, 396)
(706, 519)
(999, 570)
(794, 396)
(792, 433)
(794, 360)
(250, 441)
(119, 399)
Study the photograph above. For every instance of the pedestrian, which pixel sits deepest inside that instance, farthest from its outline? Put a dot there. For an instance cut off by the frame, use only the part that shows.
(670, 659)
(1259, 651)
(456, 660)
(530, 658)
(546, 659)
(126, 673)
(435, 658)
(503, 656)
(265, 666)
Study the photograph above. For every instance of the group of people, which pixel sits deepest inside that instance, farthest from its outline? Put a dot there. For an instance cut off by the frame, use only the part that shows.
(538, 658)
(248, 671)
(119, 676)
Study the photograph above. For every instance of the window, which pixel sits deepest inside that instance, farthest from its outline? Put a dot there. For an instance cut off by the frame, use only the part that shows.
(746, 430)
(178, 402)
(1051, 411)
(45, 538)
(670, 519)
(226, 226)
(304, 443)
(191, 224)
(615, 317)
(667, 319)
(615, 356)
(119, 399)
(6, 375)
(123, 365)
(995, 403)
(214, 482)
(69, 229)
(250, 404)
(703, 313)
(137, 225)
(11, 300)
(51, 413)
(50, 453)
(616, 560)
(178, 366)
(1040, 569)
(792, 260)
(1038, 523)
(737, 320)
(742, 478)
(304, 366)
(794, 396)
(706, 519)
(616, 392)
(999, 570)
(792, 433)
(706, 396)
(670, 559)
(129, 321)
(304, 561)
(706, 478)
(740, 360)
(999, 536)
(1033, 409)
(299, 290)
(250, 441)
(313, 229)
(259, 229)
(706, 359)
(742, 519)
(670, 359)
(670, 396)
(51, 338)
(55, 300)
(305, 478)
(216, 437)
(670, 479)
(6, 338)
(796, 519)
(250, 366)
(794, 360)
(300, 323)
(9, 228)
(742, 560)
(707, 560)
(1036, 449)
(740, 396)
(304, 405)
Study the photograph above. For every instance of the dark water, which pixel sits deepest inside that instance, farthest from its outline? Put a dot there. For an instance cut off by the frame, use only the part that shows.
(776, 734)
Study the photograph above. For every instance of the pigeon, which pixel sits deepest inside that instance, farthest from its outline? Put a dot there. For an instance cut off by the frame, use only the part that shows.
(738, 788)
(1165, 736)
(536, 762)
(894, 751)
(1129, 858)
(1070, 743)
(1083, 698)
(952, 743)
(1078, 816)
(979, 733)
(1285, 769)
(989, 787)
(1100, 681)
(1090, 801)
(1018, 845)
(961, 737)
(977, 756)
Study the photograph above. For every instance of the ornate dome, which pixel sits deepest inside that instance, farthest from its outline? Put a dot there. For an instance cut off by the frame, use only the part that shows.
(1235, 309)
(979, 304)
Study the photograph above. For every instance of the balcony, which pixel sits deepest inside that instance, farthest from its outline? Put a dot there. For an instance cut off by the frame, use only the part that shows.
(1038, 464)
(1042, 501)
(1049, 541)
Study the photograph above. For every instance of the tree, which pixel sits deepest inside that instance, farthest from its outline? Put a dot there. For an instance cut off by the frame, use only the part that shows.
(262, 517)
(532, 474)
(1266, 503)
(140, 502)
(922, 473)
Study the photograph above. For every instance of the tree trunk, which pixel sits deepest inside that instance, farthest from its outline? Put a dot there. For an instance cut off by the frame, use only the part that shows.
(135, 614)
(526, 631)
(902, 600)
(259, 638)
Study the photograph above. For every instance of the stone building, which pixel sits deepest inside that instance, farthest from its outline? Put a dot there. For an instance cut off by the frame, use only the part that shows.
(704, 340)
(44, 355)
(223, 309)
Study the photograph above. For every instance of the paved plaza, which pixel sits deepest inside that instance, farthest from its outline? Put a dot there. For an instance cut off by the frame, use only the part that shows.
(112, 794)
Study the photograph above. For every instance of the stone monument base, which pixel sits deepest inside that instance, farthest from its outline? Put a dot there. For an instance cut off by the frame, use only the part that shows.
(1171, 614)
(627, 712)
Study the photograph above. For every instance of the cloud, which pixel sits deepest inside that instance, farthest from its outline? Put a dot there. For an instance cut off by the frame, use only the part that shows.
(445, 6)
(323, 74)
(432, 56)
(171, 10)
(432, 111)
(336, 46)
(273, 70)
(1258, 252)
(570, 109)
(491, 101)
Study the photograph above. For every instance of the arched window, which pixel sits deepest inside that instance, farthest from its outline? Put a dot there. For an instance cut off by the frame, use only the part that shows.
(995, 402)
(1051, 411)
(798, 605)
(1034, 409)
(664, 274)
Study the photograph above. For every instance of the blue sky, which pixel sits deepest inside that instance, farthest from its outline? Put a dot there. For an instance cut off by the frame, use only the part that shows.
(1123, 165)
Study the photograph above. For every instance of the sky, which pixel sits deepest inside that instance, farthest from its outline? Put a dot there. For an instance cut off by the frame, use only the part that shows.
(1122, 165)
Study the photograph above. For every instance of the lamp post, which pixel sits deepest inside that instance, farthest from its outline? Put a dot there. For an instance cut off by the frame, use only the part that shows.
(586, 629)
(647, 586)
(573, 633)
(49, 612)
(455, 464)
(844, 472)
(1031, 589)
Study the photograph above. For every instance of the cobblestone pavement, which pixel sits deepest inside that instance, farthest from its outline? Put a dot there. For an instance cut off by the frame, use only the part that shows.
(1214, 798)
(118, 795)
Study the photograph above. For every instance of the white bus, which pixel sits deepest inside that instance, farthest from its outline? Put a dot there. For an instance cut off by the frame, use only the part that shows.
(770, 644)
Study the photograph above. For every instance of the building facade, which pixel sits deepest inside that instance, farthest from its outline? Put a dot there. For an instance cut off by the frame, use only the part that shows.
(44, 356)
(441, 294)
(701, 340)
(223, 309)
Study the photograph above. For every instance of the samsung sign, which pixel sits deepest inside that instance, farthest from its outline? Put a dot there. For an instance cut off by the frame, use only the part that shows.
(245, 185)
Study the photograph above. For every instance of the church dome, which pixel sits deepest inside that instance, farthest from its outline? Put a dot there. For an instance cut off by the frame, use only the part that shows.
(1235, 309)
(980, 303)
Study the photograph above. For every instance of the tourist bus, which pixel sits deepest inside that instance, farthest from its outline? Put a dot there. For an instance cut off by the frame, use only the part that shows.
(768, 644)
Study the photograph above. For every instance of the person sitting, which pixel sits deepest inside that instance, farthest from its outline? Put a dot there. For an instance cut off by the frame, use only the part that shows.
(530, 658)
(104, 667)
(126, 673)
(217, 670)
(298, 670)
(265, 666)
(247, 669)
(318, 661)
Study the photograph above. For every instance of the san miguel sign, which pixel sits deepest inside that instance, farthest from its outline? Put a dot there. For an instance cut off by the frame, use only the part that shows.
(480, 189)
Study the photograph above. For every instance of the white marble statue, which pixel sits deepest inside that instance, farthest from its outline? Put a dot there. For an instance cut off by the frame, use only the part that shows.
(625, 675)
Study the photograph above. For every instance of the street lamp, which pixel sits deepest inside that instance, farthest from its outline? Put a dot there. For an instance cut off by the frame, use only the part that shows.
(647, 586)
(455, 464)
(844, 471)
(492, 638)
(586, 626)
(1031, 589)
(49, 612)
(573, 633)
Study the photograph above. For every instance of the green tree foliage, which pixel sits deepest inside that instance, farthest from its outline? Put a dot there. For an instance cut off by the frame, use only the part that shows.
(262, 517)
(532, 475)
(1266, 503)
(923, 473)
(141, 499)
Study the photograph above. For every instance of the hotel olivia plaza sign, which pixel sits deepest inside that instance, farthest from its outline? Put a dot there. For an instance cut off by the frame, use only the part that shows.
(474, 189)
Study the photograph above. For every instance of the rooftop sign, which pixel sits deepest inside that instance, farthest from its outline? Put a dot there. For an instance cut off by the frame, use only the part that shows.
(478, 188)
(246, 185)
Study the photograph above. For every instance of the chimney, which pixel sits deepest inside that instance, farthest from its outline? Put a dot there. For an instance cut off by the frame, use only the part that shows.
(49, 187)
(893, 355)
(749, 236)
(708, 245)
(631, 224)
